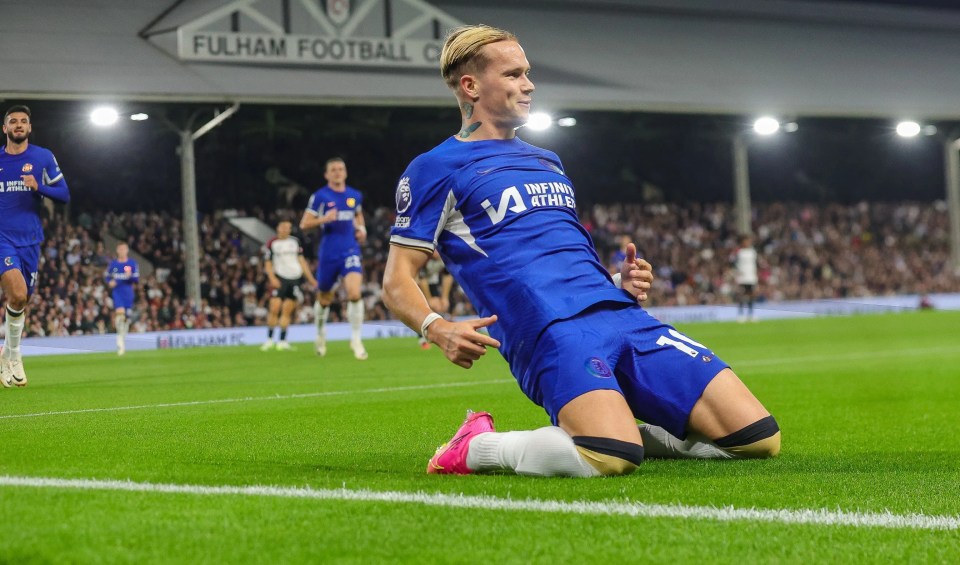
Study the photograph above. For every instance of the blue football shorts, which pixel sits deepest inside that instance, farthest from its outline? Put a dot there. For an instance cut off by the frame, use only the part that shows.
(26, 259)
(123, 297)
(330, 267)
(660, 372)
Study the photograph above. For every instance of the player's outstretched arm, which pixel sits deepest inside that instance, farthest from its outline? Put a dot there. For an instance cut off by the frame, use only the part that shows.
(461, 342)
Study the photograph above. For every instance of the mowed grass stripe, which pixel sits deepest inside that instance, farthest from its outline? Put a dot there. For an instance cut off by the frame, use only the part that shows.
(784, 362)
(256, 398)
(818, 517)
(858, 356)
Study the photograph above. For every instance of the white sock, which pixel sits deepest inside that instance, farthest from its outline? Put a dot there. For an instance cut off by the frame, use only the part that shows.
(120, 321)
(320, 315)
(658, 443)
(545, 452)
(14, 327)
(355, 317)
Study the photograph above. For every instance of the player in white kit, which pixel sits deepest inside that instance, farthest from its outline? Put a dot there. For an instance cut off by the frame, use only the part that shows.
(286, 268)
(747, 278)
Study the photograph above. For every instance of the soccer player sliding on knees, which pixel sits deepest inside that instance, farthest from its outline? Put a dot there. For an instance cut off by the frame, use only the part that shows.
(502, 214)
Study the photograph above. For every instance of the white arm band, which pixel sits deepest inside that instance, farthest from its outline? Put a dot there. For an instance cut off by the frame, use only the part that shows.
(617, 281)
(431, 318)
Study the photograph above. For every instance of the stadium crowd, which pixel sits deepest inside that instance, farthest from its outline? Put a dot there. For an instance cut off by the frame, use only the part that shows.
(72, 297)
(806, 251)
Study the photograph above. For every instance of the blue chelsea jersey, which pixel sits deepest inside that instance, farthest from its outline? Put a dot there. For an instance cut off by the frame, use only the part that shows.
(124, 273)
(503, 215)
(19, 205)
(338, 235)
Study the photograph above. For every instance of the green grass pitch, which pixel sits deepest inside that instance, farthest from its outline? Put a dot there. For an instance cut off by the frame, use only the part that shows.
(869, 407)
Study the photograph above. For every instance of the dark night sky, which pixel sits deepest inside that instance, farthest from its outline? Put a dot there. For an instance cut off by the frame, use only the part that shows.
(608, 155)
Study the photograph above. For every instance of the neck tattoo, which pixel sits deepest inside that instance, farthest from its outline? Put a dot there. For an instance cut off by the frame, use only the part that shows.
(465, 132)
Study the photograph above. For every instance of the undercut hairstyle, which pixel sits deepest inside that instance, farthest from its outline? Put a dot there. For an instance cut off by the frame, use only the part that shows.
(462, 51)
(14, 109)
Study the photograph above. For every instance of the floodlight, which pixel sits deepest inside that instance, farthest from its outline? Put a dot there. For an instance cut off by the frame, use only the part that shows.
(908, 129)
(539, 121)
(104, 116)
(766, 126)
(139, 117)
(567, 122)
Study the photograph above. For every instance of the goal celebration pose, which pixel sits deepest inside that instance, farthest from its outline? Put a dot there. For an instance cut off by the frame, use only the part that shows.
(502, 213)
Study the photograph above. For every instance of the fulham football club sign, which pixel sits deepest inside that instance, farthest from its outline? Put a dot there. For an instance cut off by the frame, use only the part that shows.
(354, 33)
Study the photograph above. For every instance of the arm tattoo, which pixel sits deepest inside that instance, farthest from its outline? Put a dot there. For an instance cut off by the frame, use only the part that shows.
(465, 132)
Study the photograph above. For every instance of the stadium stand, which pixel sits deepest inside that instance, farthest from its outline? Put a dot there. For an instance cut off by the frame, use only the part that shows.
(807, 251)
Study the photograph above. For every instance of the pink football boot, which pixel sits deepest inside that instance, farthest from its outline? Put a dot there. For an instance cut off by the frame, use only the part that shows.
(451, 457)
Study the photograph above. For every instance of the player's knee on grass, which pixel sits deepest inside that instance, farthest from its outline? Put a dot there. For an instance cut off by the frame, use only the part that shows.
(609, 456)
(759, 440)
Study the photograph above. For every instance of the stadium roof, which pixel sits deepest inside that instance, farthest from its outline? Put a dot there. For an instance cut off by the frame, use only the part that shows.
(788, 57)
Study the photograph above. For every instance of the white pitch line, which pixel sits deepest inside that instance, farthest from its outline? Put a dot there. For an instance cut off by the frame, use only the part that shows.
(255, 398)
(818, 517)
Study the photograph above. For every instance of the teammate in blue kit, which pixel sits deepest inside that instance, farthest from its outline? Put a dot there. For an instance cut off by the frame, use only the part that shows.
(122, 275)
(502, 214)
(28, 174)
(336, 208)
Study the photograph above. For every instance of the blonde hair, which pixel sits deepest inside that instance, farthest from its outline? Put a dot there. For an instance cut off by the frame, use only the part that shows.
(462, 51)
